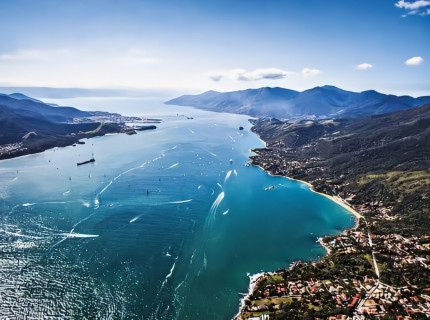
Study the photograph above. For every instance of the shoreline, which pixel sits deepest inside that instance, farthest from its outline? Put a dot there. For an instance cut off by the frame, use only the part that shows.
(61, 142)
(254, 278)
(335, 199)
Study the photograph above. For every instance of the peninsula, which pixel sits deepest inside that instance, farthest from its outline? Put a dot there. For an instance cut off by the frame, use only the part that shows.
(28, 125)
(378, 167)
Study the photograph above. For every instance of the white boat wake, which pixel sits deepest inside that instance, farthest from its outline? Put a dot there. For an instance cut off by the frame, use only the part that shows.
(227, 176)
(173, 165)
(178, 202)
(214, 207)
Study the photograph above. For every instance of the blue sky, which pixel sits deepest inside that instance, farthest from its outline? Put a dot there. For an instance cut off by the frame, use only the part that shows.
(222, 45)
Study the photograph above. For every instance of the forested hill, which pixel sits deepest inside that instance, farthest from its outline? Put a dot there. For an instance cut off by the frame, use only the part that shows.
(383, 160)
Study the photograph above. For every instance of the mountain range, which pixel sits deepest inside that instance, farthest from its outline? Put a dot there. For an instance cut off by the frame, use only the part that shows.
(29, 125)
(318, 102)
(25, 105)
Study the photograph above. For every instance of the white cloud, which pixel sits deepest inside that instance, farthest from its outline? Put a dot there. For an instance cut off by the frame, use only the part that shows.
(253, 75)
(259, 74)
(363, 66)
(412, 5)
(414, 61)
(308, 72)
(414, 8)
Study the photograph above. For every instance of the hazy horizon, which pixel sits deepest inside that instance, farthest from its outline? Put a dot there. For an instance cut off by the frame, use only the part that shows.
(192, 46)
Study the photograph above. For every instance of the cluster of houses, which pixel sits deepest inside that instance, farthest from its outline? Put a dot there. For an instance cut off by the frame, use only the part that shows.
(11, 148)
(361, 298)
(350, 241)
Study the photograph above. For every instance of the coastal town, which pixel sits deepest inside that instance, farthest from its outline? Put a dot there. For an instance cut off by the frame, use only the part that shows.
(11, 148)
(379, 269)
(349, 282)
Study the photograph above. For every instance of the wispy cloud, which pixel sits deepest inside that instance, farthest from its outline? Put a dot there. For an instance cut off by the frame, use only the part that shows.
(414, 8)
(253, 75)
(309, 72)
(32, 55)
(138, 56)
(414, 61)
(259, 74)
(364, 66)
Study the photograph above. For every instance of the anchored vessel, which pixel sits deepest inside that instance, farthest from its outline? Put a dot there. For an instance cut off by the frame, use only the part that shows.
(84, 162)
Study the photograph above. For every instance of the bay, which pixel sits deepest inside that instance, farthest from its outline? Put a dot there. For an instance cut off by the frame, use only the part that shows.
(166, 224)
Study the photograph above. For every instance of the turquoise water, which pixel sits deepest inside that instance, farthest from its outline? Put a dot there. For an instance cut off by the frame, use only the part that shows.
(162, 226)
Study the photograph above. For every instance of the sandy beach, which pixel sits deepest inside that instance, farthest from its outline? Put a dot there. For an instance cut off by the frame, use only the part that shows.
(336, 199)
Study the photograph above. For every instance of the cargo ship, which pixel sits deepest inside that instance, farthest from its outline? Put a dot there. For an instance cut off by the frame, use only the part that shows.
(85, 162)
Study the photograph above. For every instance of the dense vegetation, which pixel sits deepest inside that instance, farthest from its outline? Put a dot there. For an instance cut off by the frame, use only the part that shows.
(380, 161)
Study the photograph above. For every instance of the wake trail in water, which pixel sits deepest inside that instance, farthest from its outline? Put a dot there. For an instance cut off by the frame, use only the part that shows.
(225, 212)
(235, 172)
(227, 176)
(173, 165)
(71, 232)
(178, 202)
(211, 153)
(214, 207)
(154, 314)
(135, 218)
(41, 203)
(181, 283)
(163, 153)
(13, 208)
(20, 235)
(107, 186)
(79, 235)
(131, 169)
(192, 256)
(97, 197)
(190, 130)
(28, 204)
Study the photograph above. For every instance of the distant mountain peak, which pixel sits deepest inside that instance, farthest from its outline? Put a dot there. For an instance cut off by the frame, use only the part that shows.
(326, 101)
(328, 86)
(20, 96)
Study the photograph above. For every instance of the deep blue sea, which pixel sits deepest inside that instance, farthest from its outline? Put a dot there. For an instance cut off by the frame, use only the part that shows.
(165, 224)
